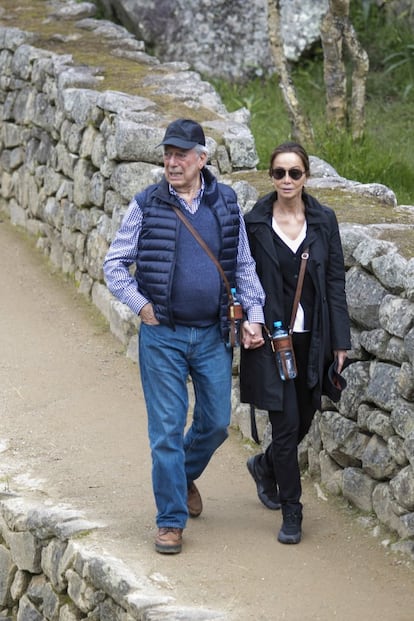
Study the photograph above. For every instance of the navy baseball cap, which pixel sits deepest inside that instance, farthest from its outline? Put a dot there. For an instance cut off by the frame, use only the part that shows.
(184, 134)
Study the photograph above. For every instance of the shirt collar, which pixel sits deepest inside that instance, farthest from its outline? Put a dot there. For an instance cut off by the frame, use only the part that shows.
(195, 203)
(199, 193)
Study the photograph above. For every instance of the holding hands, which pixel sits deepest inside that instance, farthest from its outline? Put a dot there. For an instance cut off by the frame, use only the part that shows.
(252, 335)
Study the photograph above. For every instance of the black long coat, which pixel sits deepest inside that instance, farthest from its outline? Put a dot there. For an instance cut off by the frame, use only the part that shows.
(260, 383)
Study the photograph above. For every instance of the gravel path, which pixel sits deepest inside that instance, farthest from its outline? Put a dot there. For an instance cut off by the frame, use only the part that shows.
(73, 431)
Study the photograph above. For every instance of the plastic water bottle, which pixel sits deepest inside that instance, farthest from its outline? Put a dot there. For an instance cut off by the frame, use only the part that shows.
(235, 316)
(285, 357)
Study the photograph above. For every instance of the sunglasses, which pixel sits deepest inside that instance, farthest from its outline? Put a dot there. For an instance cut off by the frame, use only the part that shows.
(280, 173)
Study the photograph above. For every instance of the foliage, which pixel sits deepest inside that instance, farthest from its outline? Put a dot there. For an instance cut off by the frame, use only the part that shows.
(391, 50)
(399, 61)
(385, 153)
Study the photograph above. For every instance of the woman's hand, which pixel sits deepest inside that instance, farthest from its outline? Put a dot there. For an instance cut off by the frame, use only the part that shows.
(341, 356)
(252, 335)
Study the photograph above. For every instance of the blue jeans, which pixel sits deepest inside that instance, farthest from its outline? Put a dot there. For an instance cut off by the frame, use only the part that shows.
(167, 358)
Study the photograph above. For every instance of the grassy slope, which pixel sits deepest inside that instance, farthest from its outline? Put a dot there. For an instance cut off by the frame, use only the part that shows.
(385, 154)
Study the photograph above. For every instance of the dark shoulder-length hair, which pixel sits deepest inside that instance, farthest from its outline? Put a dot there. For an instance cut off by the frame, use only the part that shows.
(291, 147)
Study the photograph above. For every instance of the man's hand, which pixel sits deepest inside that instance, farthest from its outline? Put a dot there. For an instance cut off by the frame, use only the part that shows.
(147, 315)
(252, 335)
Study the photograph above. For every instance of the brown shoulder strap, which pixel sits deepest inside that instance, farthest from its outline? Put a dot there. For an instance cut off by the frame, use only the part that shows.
(304, 258)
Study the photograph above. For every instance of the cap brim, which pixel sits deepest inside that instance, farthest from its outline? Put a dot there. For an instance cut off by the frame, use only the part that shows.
(178, 142)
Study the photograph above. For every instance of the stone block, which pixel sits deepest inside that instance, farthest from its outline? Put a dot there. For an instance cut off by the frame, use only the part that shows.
(357, 377)
(409, 447)
(130, 178)
(377, 460)
(396, 448)
(26, 551)
(402, 487)
(51, 561)
(102, 298)
(82, 176)
(368, 251)
(133, 142)
(382, 387)
(364, 295)
(358, 488)
(402, 418)
(20, 584)
(331, 473)
(314, 466)
(342, 440)
(28, 610)
(382, 506)
(407, 521)
(409, 280)
(84, 595)
(123, 322)
(69, 612)
(18, 215)
(8, 571)
(405, 381)
(396, 315)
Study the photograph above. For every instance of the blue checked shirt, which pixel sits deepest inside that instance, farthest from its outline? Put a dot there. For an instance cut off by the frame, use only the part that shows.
(124, 249)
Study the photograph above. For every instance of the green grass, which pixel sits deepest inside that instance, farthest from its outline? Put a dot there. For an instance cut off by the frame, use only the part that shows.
(384, 155)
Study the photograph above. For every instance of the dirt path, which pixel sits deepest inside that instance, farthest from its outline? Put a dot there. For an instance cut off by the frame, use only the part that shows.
(73, 430)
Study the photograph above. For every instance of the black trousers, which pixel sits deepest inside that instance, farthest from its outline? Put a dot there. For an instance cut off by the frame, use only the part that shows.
(289, 427)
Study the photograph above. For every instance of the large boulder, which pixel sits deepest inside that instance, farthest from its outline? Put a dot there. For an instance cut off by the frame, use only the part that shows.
(229, 40)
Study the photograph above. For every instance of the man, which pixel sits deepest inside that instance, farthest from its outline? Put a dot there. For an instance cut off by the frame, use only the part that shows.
(179, 295)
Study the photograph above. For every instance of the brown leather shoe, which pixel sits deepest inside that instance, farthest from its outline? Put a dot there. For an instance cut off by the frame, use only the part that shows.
(169, 540)
(194, 502)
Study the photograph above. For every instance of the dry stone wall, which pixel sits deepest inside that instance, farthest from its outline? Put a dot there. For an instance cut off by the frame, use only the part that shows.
(71, 157)
(48, 574)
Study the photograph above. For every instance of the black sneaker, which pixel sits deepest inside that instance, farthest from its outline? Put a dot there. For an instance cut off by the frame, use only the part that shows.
(266, 486)
(291, 531)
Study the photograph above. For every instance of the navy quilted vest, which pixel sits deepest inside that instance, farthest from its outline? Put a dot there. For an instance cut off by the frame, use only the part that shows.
(156, 250)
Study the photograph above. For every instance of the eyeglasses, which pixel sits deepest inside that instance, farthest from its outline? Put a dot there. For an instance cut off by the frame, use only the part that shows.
(280, 173)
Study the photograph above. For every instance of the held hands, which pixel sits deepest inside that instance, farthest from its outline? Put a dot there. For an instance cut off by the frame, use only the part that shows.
(147, 315)
(252, 336)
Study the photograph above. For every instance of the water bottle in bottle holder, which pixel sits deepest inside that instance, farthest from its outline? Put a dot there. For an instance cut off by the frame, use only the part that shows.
(281, 340)
(285, 356)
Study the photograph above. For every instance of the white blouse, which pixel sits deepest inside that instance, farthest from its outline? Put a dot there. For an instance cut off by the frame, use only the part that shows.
(293, 244)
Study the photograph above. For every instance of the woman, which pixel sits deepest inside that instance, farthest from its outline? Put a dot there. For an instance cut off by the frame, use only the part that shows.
(280, 226)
